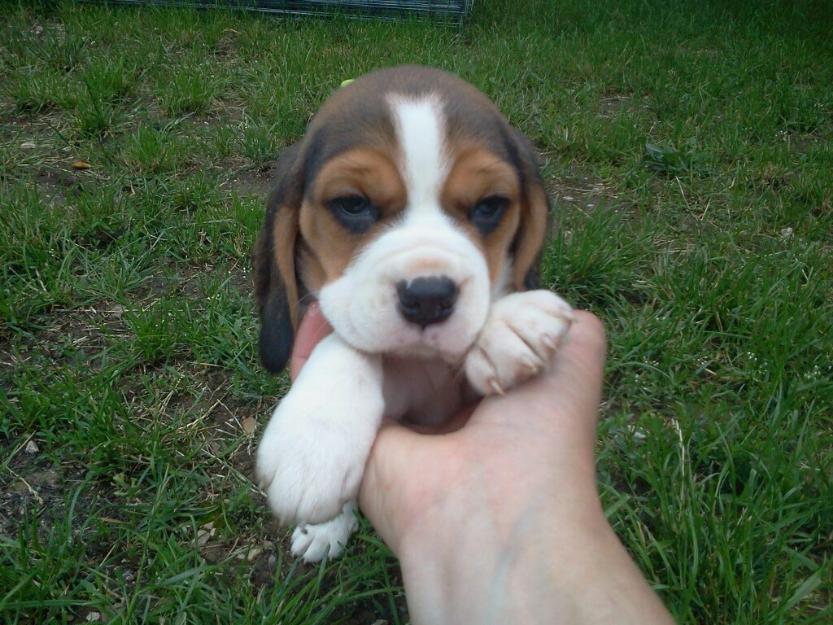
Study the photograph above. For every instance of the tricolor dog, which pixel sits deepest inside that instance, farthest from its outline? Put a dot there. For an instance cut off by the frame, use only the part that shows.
(415, 215)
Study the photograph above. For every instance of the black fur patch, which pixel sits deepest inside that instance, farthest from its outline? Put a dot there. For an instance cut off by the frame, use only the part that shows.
(277, 334)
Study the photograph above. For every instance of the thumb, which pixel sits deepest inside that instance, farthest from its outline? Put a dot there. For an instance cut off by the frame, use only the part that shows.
(389, 493)
(313, 328)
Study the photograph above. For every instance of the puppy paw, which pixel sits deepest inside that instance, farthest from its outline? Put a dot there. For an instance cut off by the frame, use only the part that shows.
(518, 341)
(313, 543)
(311, 458)
(308, 471)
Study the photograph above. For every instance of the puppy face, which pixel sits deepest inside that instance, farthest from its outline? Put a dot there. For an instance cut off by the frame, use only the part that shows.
(408, 206)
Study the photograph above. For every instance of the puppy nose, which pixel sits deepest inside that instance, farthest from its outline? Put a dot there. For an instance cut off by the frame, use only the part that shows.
(424, 301)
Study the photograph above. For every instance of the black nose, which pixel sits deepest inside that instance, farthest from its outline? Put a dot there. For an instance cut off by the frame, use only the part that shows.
(424, 301)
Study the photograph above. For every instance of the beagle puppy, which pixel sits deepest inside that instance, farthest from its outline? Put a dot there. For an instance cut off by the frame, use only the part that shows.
(415, 215)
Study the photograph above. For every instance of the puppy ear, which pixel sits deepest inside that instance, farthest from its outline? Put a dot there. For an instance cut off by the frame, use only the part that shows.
(535, 211)
(276, 283)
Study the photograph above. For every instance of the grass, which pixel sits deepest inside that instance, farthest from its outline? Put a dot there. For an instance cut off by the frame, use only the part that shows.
(688, 149)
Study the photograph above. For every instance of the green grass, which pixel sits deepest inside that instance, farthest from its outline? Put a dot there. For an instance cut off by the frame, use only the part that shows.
(689, 149)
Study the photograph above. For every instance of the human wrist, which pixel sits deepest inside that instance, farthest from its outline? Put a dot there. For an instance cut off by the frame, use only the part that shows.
(487, 564)
(557, 566)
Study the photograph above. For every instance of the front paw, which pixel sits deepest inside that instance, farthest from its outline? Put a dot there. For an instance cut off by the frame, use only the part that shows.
(308, 466)
(313, 543)
(521, 335)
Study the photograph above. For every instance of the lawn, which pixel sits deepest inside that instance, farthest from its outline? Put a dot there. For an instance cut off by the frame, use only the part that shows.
(688, 148)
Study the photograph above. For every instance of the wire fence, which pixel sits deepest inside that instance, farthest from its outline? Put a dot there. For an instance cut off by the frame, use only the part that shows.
(455, 10)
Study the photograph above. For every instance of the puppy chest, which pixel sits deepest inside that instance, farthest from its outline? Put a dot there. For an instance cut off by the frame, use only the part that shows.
(422, 391)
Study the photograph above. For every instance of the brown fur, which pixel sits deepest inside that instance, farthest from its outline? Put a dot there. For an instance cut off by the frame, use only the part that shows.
(477, 173)
(350, 148)
(363, 171)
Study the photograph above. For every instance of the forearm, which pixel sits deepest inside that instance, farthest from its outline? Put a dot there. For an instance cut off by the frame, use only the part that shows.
(541, 568)
(484, 575)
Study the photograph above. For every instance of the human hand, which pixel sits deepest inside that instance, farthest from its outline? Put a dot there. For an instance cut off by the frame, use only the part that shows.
(499, 502)
(530, 447)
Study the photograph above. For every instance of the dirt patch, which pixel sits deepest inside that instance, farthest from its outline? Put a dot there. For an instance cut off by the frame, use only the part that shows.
(254, 181)
(226, 46)
(614, 104)
(31, 487)
(178, 280)
(78, 334)
(25, 491)
(582, 192)
(577, 192)
(57, 185)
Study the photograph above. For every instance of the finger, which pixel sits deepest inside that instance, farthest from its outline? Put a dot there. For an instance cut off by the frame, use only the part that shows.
(392, 458)
(313, 328)
(579, 363)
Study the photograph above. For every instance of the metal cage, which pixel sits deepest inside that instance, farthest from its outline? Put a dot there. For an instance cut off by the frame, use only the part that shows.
(455, 10)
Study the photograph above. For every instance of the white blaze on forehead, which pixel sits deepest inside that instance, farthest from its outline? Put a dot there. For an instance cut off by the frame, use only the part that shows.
(363, 304)
(420, 127)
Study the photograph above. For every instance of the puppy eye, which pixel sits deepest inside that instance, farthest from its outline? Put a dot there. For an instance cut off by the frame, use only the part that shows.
(355, 212)
(487, 213)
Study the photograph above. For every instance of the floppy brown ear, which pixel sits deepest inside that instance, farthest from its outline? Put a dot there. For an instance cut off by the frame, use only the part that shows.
(276, 283)
(535, 207)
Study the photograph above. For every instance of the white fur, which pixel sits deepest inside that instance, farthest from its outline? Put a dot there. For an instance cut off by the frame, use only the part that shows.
(518, 341)
(312, 543)
(312, 455)
(420, 128)
(362, 305)
(314, 449)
